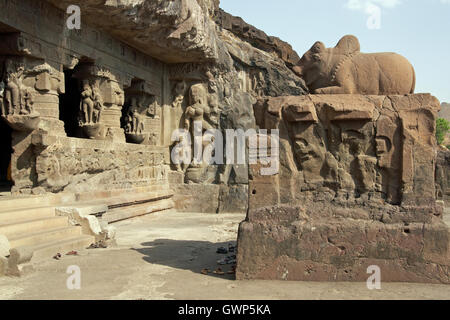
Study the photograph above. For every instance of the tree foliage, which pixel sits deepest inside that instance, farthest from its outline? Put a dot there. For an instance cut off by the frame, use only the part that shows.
(442, 128)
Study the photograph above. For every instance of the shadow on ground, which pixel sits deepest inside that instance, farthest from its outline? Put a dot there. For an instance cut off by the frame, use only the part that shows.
(188, 255)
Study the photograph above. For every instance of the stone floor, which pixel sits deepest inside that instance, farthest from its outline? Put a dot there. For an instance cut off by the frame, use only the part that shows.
(161, 256)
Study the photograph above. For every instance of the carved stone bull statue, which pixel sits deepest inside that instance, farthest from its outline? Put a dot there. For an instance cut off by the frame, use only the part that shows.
(345, 70)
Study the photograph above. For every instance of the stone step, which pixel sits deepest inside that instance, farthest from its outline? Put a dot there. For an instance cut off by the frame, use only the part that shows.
(98, 208)
(132, 199)
(16, 202)
(31, 226)
(118, 214)
(102, 196)
(49, 249)
(33, 239)
(9, 217)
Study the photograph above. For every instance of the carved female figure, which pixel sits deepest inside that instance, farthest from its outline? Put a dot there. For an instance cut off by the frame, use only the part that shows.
(27, 103)
(134, 119)
(12, 91)
(198, 110)
(98, 103)
(141, 108)
(87, 103)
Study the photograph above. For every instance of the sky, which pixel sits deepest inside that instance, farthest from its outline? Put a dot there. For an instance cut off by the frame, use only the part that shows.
(416, 29)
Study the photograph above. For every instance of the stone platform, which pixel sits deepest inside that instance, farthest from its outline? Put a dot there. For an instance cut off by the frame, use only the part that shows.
(284, 243)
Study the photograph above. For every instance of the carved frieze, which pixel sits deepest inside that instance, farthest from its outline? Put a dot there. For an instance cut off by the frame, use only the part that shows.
(353, 147)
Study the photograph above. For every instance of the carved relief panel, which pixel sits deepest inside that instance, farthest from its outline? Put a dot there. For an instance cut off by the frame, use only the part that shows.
(354, 148)
(29, 90)
(101, 102)
(142, 114)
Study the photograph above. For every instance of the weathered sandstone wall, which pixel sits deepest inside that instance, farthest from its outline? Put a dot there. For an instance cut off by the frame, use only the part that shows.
(355, 189)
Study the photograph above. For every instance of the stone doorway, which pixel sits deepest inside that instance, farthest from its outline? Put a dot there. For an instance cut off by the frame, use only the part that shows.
(5, 157)
(69, 104)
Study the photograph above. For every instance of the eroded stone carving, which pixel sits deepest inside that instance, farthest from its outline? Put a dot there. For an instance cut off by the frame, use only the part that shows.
(354, 147)
(142, 108)
(198, 109)
(197, 120)
(17, 98)
(345, 70)
(355, 185)
(102, 98)
(90, 109)
(179, 92)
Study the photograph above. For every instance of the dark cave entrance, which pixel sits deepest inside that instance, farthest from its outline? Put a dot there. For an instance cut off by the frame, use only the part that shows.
(69, 104)
(5, 156)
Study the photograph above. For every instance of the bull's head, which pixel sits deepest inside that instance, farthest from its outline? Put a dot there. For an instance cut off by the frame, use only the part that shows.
(311, 63)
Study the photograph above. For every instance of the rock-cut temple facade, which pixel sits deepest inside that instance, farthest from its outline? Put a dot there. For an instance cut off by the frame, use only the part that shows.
(91, 93)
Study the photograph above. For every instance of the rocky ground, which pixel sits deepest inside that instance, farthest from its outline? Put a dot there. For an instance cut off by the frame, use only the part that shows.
(161, 256)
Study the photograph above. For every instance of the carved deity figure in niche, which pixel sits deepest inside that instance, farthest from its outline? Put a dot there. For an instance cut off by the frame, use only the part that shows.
(198, 109)
(140, 107)
(153, 107)
(179, 93)
(91, 104)
(351, 143)
(98, 103)
(135, 121)
(309, 148)
(388, 140)
(258, 83)
(87, 102)
(16, 98)
(27, 102)
(12, 90)
(362, 166)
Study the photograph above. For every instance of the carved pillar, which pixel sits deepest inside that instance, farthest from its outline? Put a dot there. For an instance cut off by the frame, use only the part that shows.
(29, 93)
(29, 90)
(142, 120)
(102, 99)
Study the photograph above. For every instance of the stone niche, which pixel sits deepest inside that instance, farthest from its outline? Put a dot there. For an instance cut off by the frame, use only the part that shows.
(29, 90)
(142, 114)
(64, 92)
(29, 101)
(355, 188)
(102, 99)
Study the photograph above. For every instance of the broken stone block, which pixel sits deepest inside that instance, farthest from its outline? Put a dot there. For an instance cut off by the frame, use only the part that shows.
(86, 217)
(233, 199)
(4, 246)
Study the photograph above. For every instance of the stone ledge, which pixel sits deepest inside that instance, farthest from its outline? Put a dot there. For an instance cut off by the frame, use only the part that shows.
(285, 244)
